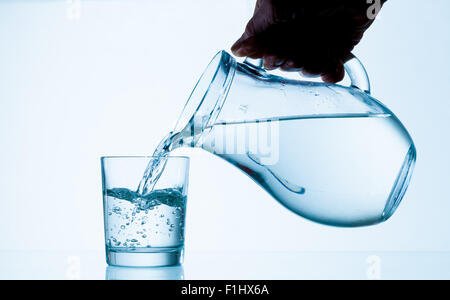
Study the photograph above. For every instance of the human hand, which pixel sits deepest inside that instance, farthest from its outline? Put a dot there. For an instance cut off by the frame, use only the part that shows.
(315, 37)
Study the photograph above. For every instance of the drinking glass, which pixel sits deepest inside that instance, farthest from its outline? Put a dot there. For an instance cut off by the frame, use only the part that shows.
(144, 230)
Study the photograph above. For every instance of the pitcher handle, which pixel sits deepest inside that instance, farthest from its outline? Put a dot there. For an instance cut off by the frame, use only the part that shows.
(358, 74)
(354, 68)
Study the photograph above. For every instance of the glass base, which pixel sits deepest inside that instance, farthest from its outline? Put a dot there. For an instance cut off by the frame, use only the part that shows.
(146, 257)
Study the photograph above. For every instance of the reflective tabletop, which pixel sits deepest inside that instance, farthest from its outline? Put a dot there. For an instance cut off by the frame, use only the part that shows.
(232, 265)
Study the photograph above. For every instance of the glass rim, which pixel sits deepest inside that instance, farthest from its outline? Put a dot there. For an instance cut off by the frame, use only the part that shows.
(143, 157)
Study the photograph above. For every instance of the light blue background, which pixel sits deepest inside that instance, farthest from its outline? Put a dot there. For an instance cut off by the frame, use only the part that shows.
(113, 83)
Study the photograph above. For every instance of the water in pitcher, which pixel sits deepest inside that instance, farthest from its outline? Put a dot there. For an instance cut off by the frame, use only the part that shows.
(337, 170)
(332, 169)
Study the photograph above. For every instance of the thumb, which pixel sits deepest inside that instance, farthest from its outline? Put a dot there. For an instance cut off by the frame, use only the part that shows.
(259, 23)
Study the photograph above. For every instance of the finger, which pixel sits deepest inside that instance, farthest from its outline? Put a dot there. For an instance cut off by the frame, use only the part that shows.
(272, 62)
(257, 25)
(249, 32)
(291, 66)
(336, 75)
(317, 64)
(311, 72)
(238, 44)
(307, 74)
(250, 48)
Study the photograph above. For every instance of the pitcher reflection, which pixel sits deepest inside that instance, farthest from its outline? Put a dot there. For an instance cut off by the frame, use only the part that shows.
(161, 273)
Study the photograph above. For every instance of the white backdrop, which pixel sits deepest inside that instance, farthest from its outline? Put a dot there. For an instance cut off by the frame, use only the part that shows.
(82, 79)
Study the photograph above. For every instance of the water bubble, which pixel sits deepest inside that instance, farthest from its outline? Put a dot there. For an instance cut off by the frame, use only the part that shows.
(144, 236)
(134, 240)
(122, 227)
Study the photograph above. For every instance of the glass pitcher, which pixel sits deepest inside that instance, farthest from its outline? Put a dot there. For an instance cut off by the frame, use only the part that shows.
(327, 152)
